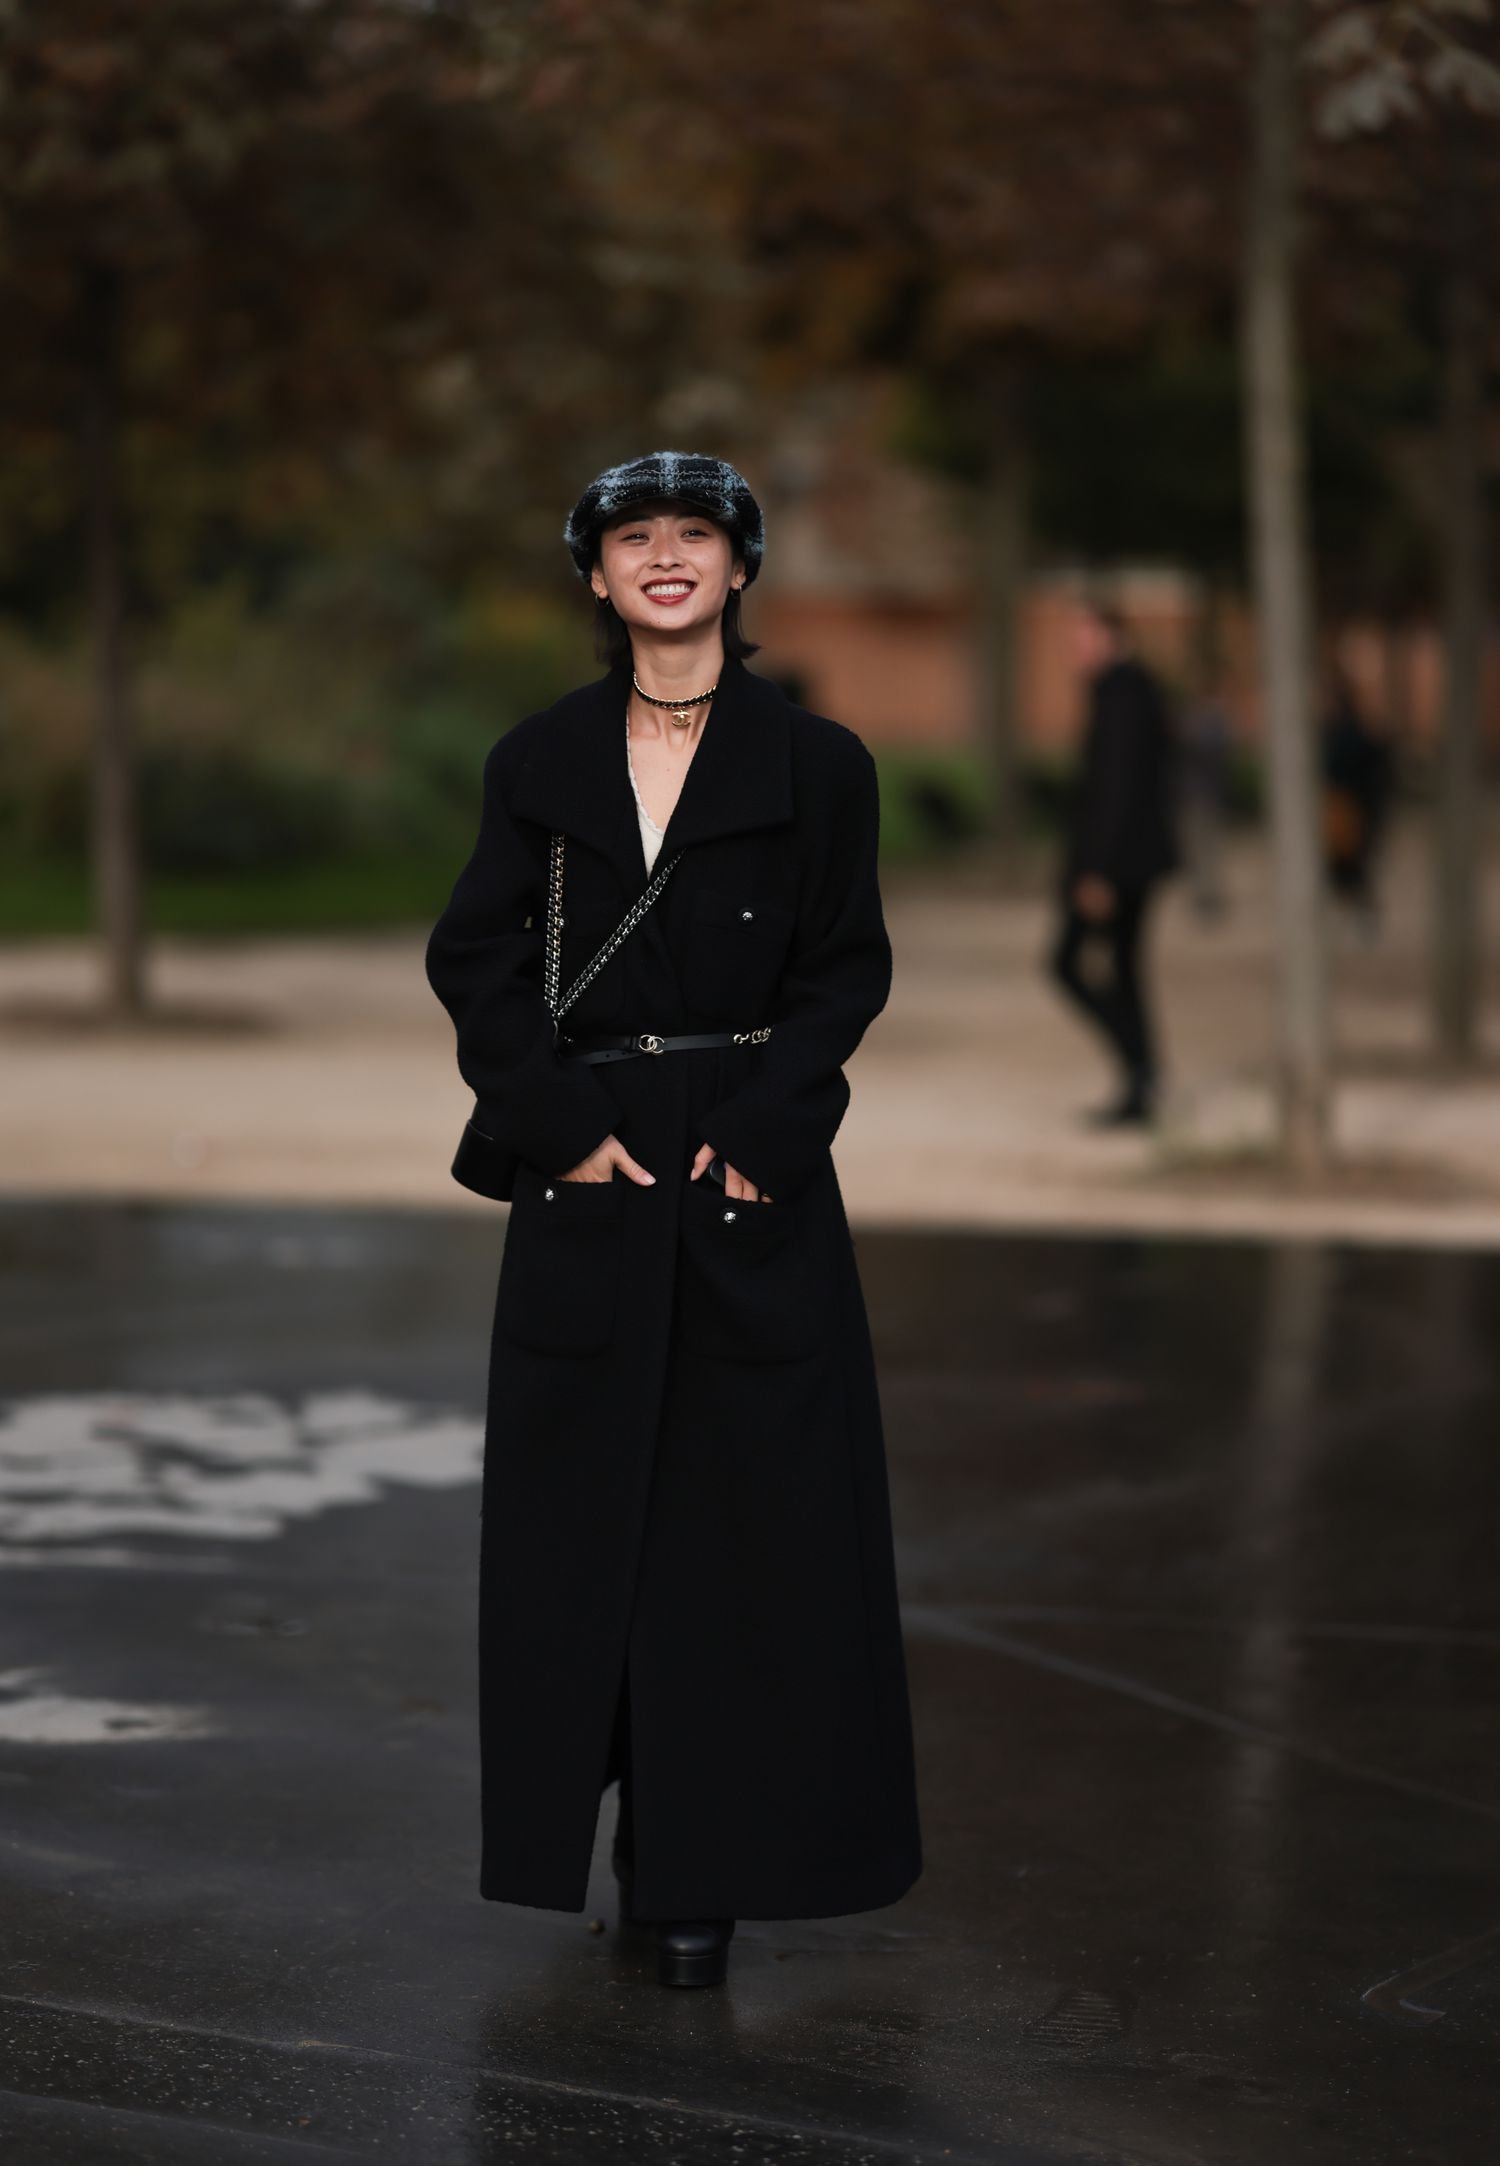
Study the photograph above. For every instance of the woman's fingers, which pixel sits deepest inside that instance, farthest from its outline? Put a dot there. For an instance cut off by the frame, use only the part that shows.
(736, 1184)
(600, 1165)
(612, 1156)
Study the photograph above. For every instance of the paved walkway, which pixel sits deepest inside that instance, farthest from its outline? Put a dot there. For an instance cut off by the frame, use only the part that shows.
(1201, 1622)
(320, 1070)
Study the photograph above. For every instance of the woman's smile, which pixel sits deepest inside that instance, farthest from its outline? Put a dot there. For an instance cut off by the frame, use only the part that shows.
(668, 591)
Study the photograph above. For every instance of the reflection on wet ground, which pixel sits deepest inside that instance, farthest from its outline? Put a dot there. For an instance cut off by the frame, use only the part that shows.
(1198, 1560)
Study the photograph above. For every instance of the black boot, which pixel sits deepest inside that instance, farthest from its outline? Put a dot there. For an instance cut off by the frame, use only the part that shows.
(693, 1951)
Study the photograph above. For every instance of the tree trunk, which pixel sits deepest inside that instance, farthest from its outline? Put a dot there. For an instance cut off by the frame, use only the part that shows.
(1279, 556)
(1004, 525)
(116, 827)
(1456, 956)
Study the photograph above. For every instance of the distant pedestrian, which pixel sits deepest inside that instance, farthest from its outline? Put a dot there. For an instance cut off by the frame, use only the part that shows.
(1357, 780)
(1120, 844)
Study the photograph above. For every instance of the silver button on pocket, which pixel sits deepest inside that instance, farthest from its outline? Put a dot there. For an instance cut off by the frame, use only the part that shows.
(747, 913)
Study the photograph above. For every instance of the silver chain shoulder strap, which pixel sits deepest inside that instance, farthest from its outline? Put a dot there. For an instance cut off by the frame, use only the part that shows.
(552, 953)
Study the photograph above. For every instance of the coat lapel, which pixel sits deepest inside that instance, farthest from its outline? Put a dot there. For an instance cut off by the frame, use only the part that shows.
(739, 778)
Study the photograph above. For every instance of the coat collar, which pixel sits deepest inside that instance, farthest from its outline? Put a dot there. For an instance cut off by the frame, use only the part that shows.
(740, 777)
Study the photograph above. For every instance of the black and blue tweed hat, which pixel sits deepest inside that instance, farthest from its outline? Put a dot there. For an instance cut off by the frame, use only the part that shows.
(687, 477)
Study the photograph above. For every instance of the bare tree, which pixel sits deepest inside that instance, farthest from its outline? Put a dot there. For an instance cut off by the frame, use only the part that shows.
(1460, 796)
(1391, 72)
(1280, 571)
(270, 229)
(116, 814)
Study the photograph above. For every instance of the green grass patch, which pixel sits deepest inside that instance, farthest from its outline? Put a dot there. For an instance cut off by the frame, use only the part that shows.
(353, 895)
(932, 802)
(929, 800)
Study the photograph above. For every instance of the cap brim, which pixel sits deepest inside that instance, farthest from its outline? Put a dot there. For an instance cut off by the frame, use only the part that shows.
(622, 508)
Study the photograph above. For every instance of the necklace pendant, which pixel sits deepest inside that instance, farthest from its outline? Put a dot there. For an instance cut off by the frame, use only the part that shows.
(681, 714)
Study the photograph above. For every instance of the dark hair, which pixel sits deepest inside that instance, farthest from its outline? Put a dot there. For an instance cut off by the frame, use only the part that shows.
(612, 635)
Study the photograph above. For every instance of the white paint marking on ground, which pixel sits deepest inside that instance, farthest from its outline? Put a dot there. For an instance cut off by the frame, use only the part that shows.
(34, 1713)
(76, 1469)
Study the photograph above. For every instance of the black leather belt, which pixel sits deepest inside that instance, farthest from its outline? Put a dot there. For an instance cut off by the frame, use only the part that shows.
(626, 1044)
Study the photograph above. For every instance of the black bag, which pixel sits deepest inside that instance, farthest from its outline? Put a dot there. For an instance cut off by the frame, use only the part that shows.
(485, 1163)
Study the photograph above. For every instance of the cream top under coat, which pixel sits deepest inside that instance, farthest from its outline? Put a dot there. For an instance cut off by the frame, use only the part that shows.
(651, 834)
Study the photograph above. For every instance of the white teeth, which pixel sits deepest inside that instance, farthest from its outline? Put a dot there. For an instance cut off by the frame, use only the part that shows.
(680, 588)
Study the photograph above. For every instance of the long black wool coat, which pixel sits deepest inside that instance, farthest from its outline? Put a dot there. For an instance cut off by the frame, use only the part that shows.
(685, 1559)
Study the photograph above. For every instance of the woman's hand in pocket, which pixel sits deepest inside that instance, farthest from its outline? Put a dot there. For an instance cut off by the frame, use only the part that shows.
(601, 1163)
(735, 1184)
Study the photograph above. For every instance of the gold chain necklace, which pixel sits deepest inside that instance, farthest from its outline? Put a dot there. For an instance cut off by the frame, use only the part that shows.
(680, 709)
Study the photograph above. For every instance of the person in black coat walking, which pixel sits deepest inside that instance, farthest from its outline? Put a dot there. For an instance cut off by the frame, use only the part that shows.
(687, 1579)
(1121, 843)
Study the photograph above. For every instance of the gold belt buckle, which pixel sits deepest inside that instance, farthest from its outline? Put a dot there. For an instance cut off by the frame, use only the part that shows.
(649, 1042)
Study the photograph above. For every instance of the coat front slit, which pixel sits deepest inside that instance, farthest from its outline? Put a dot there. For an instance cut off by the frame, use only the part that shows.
(685, 1548)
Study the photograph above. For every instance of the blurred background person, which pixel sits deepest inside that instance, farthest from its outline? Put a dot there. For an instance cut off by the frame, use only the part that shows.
(1357, 779)
(1120, 843)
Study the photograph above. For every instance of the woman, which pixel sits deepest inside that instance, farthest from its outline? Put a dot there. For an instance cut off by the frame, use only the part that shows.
(686, 1573)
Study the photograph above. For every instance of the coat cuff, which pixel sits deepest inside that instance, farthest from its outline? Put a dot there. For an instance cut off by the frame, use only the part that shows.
(562, 1127)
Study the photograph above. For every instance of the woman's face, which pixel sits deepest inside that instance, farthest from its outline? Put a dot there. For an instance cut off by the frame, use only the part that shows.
(665, 568)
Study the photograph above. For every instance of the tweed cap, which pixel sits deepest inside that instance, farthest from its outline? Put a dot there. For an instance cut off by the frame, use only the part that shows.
(687, 477)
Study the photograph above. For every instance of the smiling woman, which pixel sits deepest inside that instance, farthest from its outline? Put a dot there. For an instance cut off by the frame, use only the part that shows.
(657, 566)
(687, 1581)
(656, 483)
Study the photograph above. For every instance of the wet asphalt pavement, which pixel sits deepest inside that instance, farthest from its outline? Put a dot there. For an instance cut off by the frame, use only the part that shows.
(1197, 1551)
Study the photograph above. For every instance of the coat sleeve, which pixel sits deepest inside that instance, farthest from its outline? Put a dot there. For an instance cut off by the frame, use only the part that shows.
(1121, 772)
(778, 1125)
(484, 962)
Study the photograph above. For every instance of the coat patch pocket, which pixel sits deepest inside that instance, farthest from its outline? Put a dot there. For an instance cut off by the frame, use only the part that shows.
(560, 1268)
(733, 954)
(746, 1288)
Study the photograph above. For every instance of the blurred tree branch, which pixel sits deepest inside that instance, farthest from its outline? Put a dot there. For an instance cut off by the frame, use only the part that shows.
(253, 248)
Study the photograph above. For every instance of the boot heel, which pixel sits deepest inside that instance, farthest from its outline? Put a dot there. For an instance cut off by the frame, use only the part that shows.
(698, 1956)
(676, 1969)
